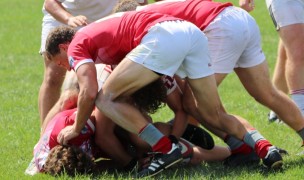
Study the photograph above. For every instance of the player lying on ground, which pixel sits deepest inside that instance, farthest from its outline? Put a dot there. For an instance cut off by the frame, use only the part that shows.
(45, 157)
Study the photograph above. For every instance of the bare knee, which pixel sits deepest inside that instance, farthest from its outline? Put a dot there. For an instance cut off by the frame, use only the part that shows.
(53, 75)
(106, 102)
(267, 99)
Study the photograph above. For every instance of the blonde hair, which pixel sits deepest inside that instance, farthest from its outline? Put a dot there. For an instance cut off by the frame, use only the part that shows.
(126, 5)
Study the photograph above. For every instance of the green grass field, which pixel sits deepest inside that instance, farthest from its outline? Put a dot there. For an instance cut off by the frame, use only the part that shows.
(21, 73)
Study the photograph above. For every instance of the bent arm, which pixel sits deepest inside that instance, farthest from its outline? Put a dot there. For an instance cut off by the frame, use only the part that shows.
(247, 5)
(180, 117)
(86, 75)
(55, 8)
(67, 100)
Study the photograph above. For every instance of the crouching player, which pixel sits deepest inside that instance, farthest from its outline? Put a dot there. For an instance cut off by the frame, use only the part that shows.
(77, 156)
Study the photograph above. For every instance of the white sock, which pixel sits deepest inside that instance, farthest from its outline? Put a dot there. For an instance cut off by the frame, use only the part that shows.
(299, 100)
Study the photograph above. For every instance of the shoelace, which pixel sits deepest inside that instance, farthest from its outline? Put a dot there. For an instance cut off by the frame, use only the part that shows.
(302, 152)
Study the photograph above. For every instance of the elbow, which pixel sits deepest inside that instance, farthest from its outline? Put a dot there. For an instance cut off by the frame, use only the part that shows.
(47, 5)
(92, 95)
(89, 93)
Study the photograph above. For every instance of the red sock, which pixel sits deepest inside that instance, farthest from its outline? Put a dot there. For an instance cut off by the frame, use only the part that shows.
(164, 145)
(261, 147)
(243, 149)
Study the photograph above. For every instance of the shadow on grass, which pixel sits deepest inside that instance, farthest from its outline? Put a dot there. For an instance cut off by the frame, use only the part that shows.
(210, 171)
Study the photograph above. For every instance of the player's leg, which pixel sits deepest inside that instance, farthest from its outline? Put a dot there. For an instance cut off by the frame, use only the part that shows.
(288, 17)
(50, 88)
(257, 82)
(254, 74)
(237, 147)
(212, 111)
(279, 74)
(125, 79)
(217, 153)
(122, 83)
(279, 77)
(293, 36)
(108, 142)
(162, 50)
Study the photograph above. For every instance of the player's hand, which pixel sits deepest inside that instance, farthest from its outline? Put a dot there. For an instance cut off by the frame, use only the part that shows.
(66, 134)
(247, 5)
(76, 21)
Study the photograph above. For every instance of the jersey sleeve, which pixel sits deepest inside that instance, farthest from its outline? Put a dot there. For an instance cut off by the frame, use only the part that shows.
(81, 51)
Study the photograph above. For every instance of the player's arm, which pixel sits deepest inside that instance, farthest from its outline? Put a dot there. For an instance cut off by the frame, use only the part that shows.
(86, 74)
(174, 101)
(67, 100)
(88, 86)
(55, 8)
(247, 5)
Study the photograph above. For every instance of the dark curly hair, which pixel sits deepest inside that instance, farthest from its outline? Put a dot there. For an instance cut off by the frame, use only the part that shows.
(68, 159)
(125, 5)
(151, 97)
(59, 35)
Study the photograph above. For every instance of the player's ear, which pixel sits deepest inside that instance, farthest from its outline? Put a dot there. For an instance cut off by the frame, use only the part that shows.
(64, 46)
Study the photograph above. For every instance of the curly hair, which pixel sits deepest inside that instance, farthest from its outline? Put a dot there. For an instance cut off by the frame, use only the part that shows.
(68, 159)
(59, 35)
(151, 97)
(125, 5)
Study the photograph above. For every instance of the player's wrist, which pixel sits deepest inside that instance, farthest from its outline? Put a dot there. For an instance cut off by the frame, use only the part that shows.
(76, 128)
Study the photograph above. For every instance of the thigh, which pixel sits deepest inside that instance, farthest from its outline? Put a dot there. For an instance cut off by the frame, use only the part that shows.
(293, 36)
(53, 74)
(127, 78)
(206, 94)
(256, 80)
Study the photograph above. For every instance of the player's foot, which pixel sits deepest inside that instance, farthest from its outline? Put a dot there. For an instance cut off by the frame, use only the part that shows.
(198, 136)
(242, 159)
(161, 162)
(282, 152)
(273, 158)
(273, 117)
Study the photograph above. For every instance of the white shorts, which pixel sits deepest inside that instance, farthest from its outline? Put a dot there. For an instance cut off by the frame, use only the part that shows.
(286, 12)
(234, 41)
(174, 47)
(47, 26)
